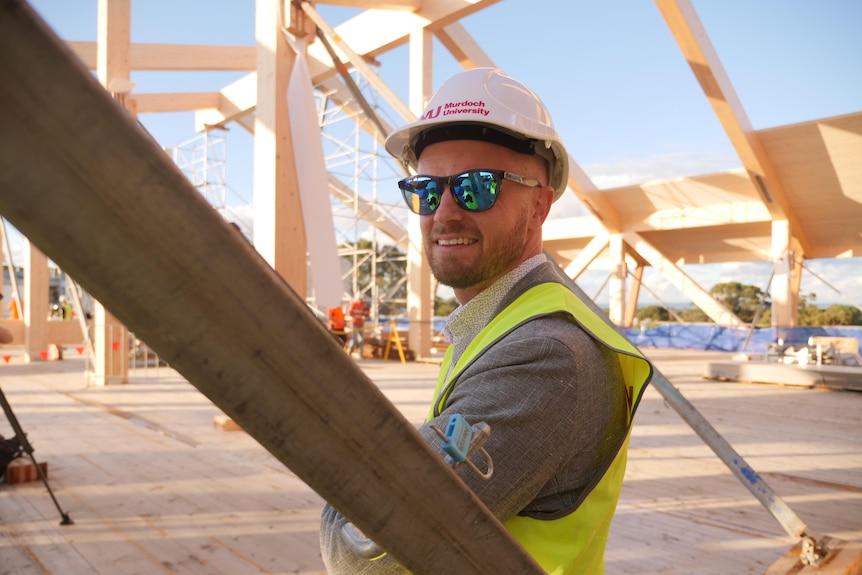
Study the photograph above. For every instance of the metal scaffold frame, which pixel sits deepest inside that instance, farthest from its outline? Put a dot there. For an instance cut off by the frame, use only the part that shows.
(203, 159)
(354, 156)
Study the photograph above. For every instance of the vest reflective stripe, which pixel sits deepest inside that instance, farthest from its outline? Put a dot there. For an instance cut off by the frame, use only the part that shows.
(573, 544)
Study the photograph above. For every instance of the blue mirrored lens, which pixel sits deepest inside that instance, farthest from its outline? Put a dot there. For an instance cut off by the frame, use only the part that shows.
(475, 191)
(422, 194)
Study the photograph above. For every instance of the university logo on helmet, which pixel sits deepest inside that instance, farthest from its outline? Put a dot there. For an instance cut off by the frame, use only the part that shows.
(455, 108)
(431, 114)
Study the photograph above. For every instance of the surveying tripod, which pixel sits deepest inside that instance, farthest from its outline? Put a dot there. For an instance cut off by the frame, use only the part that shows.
(21, 437)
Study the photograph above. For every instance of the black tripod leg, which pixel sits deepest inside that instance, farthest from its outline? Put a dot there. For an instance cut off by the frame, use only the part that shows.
(28, 449)
(65, 519)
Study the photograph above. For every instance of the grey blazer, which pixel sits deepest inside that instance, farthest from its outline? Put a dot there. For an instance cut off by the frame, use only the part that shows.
(555, 400)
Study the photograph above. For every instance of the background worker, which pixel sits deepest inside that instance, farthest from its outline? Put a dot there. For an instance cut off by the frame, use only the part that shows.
(66, 308)
(556, 385)
(337, 323)
(358, 312)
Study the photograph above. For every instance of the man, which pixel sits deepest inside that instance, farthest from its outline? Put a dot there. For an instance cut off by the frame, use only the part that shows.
(557, 386)
(66, 308)
(358, 312)
(337, 323)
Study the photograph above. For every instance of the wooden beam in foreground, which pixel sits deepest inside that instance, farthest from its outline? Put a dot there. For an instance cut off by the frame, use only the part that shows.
(89, 188)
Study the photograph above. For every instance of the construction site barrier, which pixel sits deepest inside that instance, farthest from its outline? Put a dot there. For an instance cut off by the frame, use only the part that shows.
(710, 337)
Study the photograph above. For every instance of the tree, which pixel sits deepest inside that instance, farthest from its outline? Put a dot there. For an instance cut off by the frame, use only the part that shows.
(694, 315)
(837, 314)
(443, 307)
(806, 312)
(743, 300)
(652, 313)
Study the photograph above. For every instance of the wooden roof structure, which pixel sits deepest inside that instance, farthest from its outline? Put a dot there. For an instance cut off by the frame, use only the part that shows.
(796, 195)
(723, 217)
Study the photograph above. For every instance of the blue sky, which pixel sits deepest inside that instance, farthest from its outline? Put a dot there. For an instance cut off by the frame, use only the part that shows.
(625, 101)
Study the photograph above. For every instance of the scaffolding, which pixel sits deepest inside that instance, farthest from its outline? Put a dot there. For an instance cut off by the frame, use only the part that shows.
(203, 159)
(372, 262)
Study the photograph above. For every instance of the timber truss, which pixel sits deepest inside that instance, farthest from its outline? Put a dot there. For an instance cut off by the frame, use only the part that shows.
(796, 195)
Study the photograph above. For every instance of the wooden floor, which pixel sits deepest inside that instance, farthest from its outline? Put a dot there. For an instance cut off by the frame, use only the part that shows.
(153, 487)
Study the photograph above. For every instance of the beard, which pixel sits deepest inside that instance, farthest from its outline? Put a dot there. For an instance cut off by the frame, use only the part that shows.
(494, 260)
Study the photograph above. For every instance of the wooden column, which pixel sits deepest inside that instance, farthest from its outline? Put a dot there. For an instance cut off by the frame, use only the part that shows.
(617, 283)
(634, 292)
(36, 306)
(110, 346)
(783, 308)
(279, 230)
(420, 293)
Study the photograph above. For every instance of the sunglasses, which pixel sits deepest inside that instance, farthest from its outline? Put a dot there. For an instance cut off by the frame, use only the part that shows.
(473, 190)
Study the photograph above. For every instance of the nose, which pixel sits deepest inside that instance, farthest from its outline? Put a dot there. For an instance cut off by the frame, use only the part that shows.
(448, 210)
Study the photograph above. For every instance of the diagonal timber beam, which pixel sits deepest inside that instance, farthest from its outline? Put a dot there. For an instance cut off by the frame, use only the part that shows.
(236, 103)
(127, 224)
(587, 255)
(392, 28)
(597, 203)
(717, 311)
(359, 63)
(466, 50)
(693, 40)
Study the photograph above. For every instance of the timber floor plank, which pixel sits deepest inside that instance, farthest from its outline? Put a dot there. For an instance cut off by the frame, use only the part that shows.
(153, 487)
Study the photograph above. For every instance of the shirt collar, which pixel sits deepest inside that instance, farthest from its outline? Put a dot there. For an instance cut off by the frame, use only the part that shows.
(465, 323)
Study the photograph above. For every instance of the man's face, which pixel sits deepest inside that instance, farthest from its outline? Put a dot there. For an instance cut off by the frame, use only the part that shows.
(470, 250)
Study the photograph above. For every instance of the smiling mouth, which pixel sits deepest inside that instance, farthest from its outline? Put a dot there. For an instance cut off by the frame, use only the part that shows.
(456, 242)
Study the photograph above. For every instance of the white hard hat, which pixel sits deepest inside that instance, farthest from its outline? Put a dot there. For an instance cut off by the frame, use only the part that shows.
(485, 104)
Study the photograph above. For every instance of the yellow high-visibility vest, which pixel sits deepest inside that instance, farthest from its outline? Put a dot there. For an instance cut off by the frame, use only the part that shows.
(575, 543)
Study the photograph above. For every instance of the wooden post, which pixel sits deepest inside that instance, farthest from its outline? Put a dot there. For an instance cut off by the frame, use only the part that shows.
(110, 346)
(226, 320)
(36, 305)
(420, 292)
(279, 229)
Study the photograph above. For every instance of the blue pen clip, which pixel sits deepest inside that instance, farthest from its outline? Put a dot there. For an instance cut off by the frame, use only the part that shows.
(458, 437)
(461, 441)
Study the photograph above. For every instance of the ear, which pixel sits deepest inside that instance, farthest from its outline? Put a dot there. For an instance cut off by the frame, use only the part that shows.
(542, 199)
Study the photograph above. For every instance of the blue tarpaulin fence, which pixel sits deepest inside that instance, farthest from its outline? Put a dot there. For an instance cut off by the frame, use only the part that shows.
(709, 337)
(704, 336)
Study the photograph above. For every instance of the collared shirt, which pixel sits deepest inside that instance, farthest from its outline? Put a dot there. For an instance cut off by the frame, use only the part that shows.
(465, 323)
